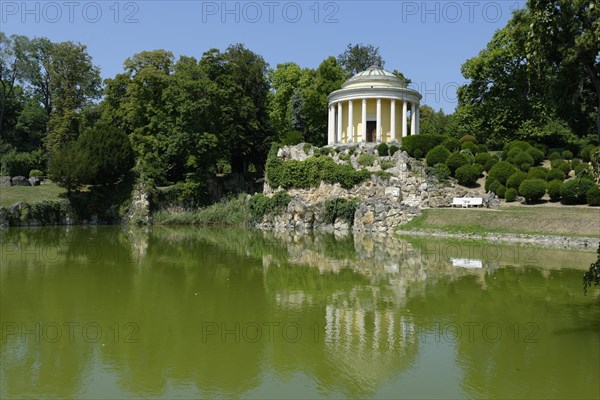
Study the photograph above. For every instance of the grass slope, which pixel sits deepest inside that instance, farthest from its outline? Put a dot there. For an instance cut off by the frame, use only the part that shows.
(567, 221)
(30, 194)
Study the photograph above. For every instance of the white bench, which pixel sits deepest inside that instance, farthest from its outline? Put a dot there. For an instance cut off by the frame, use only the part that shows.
(467, 201)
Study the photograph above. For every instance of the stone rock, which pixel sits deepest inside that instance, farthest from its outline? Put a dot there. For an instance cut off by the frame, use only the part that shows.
(5, 181)
(34, 181)
(20, 181)
(392, 192)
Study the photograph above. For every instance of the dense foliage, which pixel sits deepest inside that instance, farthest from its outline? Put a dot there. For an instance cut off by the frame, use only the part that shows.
(340, 209)
(532, 189)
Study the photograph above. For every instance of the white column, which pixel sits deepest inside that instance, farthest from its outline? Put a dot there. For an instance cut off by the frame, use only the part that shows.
(350, 122)
(338, 138)
(378, 120)
(412, 119)
(393, 119)
(418, 123)
(364, 120)
(331, 125)
(404, 112)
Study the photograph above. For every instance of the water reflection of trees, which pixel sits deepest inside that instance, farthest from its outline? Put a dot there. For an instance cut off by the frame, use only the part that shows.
(366, 299)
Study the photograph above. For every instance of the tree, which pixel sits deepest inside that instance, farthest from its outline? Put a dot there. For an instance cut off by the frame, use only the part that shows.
(359, 57)
(592, 276)
(13, 59)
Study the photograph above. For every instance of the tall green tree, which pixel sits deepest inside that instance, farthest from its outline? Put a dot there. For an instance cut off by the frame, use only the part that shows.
(359, 57)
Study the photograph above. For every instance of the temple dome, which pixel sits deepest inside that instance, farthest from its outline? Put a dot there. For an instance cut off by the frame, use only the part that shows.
(374, 76)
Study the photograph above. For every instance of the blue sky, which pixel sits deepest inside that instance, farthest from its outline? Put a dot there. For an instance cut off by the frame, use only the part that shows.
(427, 40)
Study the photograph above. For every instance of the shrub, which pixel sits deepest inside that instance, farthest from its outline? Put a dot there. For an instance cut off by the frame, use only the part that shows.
(521, 159)
(567, 154)
(532, 189)
(563, 165)
(515, 180)
(538, 172)
(554, 155)
(340, 209)
(482, 158)
(593, 196)
(386, 164)
(366, 160)
(383, 149)
(440, 171)
(452, 144)
(478, 168)
(574, 191)
(488, 183)
(555, 174)
(393, 149)
(482, 148)
(502, 171)
(467, 175)
(306, 148)
(500, 191)
(472, 147)
(19, 164)
(536, 154)
(455, 161)
(325, 151)
(421, 142)
(352, 150)
(261, 205)
(490, 163)
(35, 173)
(468, 138)
(554, 189)
(519, 145)
(310, 172)
(587, 151)
(438, 155)
(576, 162)
(510, 195)
(494, 186)
(418, 153)
(344, 156)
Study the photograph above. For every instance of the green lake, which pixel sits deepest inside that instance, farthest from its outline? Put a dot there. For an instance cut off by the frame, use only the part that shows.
(109, 312)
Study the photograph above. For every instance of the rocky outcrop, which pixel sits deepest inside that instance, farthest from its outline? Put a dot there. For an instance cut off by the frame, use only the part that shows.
(390, 198)
(139, 209)
(20, 181)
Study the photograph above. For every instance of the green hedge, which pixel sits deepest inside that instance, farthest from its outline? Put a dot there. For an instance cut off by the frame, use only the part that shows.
(593, 196)
(467, 174)
(510, 195)
(515, 180)
(19, 164)
(554, 189)
(421, 142)
(456, 160)
(261, 205)
(310, 173)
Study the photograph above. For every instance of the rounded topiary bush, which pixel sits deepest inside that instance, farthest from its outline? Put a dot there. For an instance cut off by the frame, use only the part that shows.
(472, 147)
(555, 174)
(554, 189)
(456, 160)
(554, 155)
(538, 172)
(441, 171)
(501, 191)
(587, 151)
(593, 196)
(35, 173)
(488, 184)
(515, 180)
(383, 149)
(574, 191)
(418, 153)
(501, 171)
(490, 163)
(467, 175)
(536, 154)
(567, 154)
(582, 169)
(518, 144)
(468, 138)
(575, 163)
(479, 168)
(510, 195)
(532, 189)
(438, 155)
(493, 187)
(452, 144)
(482, 158)
(521, 159)
(393, 149)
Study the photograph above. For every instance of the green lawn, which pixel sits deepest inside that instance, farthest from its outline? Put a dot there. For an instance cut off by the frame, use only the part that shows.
(30, 194)
(561, 220)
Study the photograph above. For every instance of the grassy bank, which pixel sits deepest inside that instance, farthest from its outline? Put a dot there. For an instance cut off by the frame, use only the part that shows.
(230, 212)
(566, 221)
(30, 194)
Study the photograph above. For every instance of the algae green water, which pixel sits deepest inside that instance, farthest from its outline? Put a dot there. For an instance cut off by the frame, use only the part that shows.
(106, 312)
